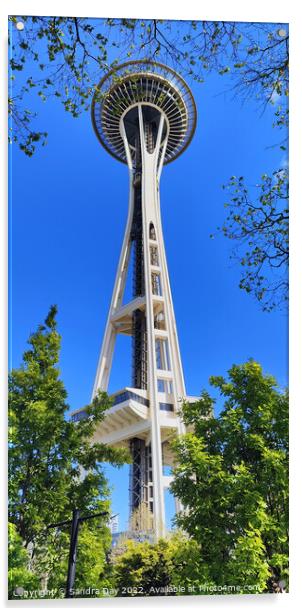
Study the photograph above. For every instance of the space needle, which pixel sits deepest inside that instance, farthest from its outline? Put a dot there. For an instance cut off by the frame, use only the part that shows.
(144, 115)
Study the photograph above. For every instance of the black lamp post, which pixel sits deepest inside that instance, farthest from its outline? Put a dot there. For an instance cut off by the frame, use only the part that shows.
(74, 532)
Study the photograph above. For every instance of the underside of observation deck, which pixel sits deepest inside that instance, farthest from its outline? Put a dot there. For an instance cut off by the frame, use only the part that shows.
(151, 84)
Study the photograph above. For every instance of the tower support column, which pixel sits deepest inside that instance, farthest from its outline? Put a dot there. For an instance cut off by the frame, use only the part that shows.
(150, 179)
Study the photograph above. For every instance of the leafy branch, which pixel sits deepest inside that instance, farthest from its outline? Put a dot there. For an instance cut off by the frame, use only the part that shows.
(260, 228)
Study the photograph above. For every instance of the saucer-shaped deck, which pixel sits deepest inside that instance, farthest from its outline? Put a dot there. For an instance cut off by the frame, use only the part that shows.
(150, 84)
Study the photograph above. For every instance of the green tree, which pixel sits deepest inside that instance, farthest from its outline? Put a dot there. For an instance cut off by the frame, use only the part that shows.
(54, 466)
(171, 566)
(231, 473)
(141, 568)
(19, 575)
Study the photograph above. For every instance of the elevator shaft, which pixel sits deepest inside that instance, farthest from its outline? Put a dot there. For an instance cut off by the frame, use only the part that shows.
(139, 333)
(141, 468)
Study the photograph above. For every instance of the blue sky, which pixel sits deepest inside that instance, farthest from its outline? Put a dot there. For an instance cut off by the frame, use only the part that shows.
(68, 207)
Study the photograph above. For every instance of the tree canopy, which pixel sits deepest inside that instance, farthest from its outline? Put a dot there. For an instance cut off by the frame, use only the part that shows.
(231, 474)
(172, 566)
(54, 466)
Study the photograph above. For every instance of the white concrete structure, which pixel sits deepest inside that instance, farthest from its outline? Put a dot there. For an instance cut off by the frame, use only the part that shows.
(144, 114)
